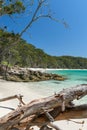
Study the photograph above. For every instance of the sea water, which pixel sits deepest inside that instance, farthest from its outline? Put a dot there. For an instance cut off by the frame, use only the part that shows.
(45, 88)
(73, 78)
(34, 90)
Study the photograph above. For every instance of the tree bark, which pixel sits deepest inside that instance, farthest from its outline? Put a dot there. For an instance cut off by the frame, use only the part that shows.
(58, 106)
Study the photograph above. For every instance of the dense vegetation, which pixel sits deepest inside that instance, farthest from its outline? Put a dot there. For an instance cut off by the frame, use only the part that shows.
(13, 49)
(27, 55)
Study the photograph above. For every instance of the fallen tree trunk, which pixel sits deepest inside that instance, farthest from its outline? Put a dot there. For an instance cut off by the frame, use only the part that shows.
(46, 110)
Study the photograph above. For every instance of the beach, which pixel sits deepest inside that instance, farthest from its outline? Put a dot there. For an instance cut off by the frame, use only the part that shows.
(8, 88)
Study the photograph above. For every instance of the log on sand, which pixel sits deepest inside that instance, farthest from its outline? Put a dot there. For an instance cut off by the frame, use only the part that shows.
(44, 111)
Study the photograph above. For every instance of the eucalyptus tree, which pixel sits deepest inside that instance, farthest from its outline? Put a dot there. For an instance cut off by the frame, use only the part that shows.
(29, 8)
(18, 9)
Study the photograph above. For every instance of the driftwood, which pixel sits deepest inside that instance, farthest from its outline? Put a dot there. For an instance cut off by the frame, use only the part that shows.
(45, 111)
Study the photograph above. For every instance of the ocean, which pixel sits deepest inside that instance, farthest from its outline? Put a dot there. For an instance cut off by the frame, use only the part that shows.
(35, 90)
(45, 88)
(73, 78)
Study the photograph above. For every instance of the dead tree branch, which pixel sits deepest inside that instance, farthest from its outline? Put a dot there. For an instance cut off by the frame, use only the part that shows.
(34, 17)
(46, 110)
(19, 97)
(7, 108)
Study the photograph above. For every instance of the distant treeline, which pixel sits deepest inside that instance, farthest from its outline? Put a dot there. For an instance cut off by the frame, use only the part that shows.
(16, 51)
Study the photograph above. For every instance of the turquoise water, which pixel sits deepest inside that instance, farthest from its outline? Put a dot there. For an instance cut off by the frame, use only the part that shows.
(74, 77)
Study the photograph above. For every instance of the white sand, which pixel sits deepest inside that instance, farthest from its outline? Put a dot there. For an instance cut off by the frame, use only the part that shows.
(12, 88)
(46, 69)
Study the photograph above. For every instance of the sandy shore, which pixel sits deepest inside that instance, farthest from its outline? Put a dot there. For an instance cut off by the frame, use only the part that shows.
(46, 69)
(8, 88)
(12, 88)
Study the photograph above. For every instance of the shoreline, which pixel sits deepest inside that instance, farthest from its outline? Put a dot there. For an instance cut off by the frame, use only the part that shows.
(47, 69)
(8, 88)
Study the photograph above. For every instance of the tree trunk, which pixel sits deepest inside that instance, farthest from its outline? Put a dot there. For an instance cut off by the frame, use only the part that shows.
(46, 110)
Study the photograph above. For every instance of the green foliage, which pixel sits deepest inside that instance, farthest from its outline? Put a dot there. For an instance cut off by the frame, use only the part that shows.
(10, 7)
(5, 63)
(27, 55)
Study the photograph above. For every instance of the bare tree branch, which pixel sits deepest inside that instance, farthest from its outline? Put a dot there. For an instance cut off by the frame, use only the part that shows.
(40, 3)
(54, 126)
(35, 17)
(19, 97)
(7, 108)
(45, 110)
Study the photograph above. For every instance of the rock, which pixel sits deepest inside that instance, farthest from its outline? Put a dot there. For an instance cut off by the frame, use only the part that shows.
(13, 78)
(18, 74)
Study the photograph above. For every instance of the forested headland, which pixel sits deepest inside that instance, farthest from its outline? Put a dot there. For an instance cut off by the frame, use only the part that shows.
(25, 54)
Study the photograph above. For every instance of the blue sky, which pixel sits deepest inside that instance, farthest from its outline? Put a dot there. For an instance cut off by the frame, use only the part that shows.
(53, 37)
